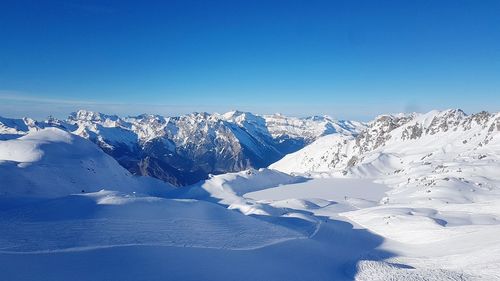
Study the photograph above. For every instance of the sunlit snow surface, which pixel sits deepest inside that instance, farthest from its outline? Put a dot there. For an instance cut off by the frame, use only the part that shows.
(70, 212)
(109, 234)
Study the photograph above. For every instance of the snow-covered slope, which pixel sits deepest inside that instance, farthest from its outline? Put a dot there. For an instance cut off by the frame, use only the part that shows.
(431, 215)
(392, 143)
(438, 157)
(13, 128)
(183, 150)
(443, 168)
(114, 236)
(309, 128)
(52, 162)
(228, 189)
(323, 155)
(110, 219)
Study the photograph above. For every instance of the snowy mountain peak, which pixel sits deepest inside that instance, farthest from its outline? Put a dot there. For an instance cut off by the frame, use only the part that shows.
(185, 149)
(86, 115)
(398, 142)
(233, 114)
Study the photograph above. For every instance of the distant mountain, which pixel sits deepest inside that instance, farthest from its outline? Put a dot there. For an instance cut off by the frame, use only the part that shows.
(183, 150)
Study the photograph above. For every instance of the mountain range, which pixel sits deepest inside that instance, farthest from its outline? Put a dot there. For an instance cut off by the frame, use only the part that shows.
(421, 156)
(404, 196)
(186, 149)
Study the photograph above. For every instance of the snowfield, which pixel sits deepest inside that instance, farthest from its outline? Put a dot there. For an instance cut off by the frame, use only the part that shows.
(412, 197)
(108, 219)
(443, 171)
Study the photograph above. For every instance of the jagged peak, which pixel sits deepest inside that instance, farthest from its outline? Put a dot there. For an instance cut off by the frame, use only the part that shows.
(453, 112)
(241, 117)
(234, 114)
(87, 115)
(203, 115)
(391, 120)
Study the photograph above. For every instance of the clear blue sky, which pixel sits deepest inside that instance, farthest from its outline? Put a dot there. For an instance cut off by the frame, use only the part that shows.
(349, 59)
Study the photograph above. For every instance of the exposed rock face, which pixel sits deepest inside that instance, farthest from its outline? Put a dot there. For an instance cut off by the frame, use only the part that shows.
(398, 140)
(446, 120)
(378, 131)
(185, 149)
(413, 132)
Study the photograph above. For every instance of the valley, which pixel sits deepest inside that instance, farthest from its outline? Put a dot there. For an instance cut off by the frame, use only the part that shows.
(409, 197)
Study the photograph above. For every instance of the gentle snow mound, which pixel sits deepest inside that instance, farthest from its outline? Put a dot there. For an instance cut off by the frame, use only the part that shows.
(52, 163)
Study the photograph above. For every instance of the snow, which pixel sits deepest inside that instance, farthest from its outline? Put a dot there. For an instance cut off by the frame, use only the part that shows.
(14, 128)
(228, 189)
(326, 148)
(199, 143)
(53, 163)
(440, 214)
(83, 236)
(332, 189)
(289, 260)
(311, 127)
(116, 235)
(109, 219)
(413, 197)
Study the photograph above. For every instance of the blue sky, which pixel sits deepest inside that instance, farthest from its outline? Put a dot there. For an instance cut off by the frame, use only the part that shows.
(349, 59)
